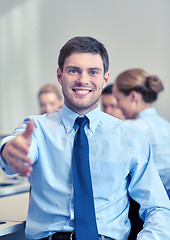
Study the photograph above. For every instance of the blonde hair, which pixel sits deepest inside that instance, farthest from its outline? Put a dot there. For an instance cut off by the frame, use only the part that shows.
(50, 88)
(139, 80)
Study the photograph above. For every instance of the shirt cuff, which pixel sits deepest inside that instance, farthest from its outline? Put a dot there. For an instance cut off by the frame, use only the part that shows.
(3, 163)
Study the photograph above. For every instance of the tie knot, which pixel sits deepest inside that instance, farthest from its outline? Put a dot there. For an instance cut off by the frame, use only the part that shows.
(82, 121)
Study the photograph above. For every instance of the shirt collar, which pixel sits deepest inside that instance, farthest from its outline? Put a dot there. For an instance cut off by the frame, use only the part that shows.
(68, 118)
(147, 112)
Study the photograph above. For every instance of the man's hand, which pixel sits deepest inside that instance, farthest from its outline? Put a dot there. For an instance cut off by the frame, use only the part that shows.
(16, 150)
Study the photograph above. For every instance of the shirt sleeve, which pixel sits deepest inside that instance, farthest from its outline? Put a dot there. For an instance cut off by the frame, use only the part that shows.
(147, 189)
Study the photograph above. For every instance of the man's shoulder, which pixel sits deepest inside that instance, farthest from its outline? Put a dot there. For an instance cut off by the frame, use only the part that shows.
(112, 123)
(44, 118)
(118, 131)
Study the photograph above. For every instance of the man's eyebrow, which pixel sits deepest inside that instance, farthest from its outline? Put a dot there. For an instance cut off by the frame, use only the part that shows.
(78, 68)
(95, 68)
(72, 66)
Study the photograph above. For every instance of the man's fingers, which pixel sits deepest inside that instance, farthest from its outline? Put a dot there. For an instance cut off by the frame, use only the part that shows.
(20, 167)
(23, 168)
(18, 154)
(19, 161)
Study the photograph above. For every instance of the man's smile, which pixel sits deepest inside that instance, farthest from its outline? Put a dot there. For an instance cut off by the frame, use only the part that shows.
(82, 91)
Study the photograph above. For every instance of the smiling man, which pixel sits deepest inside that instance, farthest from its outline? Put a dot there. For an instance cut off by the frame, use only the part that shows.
(82, 81)
(117, 160)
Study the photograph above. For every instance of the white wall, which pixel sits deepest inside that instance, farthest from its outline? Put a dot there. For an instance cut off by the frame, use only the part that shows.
(136, 34)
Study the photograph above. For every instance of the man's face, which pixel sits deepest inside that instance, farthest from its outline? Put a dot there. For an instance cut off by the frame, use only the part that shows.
(109, 105)
(82, 81)
(49, 102)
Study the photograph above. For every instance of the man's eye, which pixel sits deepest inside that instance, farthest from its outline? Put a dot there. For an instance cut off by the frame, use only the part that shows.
(93, 73)
(73, 71)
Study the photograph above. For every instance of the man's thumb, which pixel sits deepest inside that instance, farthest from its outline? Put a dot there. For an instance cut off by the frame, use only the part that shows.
(27, 134)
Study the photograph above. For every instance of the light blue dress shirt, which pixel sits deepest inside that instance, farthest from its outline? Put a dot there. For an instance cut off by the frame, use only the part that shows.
(157, 131)
(120, 161)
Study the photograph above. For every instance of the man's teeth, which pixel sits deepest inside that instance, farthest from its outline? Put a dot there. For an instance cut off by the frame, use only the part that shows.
(82, 91)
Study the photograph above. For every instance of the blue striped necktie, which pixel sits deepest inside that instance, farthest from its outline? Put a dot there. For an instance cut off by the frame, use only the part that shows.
(84, 213)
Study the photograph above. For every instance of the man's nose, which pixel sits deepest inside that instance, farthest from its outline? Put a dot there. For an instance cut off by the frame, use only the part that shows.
(82, 77)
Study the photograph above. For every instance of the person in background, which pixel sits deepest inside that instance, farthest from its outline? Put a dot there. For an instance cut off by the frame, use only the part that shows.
(136, 90)
(109, 103)
(124, 169)
(50, 98)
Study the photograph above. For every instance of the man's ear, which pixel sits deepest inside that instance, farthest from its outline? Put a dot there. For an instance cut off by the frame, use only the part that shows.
(106, 79)
(59, 75)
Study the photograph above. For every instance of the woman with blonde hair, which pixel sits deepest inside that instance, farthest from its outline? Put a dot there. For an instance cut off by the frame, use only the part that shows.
(50, 98)
(136, 91)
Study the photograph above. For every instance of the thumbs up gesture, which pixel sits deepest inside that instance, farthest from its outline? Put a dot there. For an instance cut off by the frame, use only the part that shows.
(16, 150)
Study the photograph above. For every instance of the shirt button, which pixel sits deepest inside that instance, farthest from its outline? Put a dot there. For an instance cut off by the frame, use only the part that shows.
(68, 128)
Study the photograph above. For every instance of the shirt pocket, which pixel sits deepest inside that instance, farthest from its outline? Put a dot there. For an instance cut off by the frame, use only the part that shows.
(109, 178)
